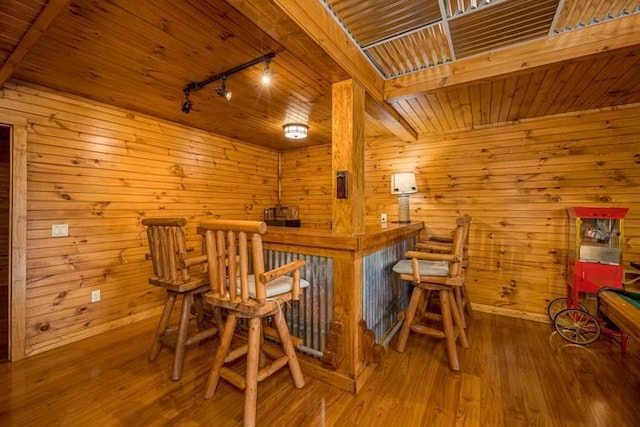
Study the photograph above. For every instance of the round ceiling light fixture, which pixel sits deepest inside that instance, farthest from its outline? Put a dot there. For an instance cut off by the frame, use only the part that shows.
(295, 130)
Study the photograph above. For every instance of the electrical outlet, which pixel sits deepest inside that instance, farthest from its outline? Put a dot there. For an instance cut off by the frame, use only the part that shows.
(59, 230)
(95, 295)
(383, 218)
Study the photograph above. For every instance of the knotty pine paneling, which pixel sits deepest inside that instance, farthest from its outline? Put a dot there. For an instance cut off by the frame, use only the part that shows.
(515, 180)
(101, 170)
(306, 183)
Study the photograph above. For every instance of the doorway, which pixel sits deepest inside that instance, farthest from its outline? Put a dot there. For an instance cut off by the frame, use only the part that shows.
(5, 243)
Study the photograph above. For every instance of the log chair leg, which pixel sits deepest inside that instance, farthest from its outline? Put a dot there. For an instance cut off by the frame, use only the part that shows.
(458, 321)
(221, 353)
(253, 356)
(447, 324)
(199, 306)
(408, 319)
(460, 304)
(467, 301)
(162, 326)
(217, 318)
(183, 329)
(287, 346)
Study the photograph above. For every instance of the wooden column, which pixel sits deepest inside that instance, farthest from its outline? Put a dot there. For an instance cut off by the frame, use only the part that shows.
(347, 148)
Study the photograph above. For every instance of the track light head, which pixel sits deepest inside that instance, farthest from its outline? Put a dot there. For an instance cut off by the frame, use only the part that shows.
(222, 90)
(267, 73)
(186, 106)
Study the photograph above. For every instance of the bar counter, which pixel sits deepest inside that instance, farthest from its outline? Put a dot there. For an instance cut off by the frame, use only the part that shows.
(348, 314)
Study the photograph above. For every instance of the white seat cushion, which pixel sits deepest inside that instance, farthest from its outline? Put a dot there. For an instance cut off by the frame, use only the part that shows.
(426, 268)
(277, 286)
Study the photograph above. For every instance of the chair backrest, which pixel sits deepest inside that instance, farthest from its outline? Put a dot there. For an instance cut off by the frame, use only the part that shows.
(168, 250)
(229, 244)
(457, 250)
(465, 239)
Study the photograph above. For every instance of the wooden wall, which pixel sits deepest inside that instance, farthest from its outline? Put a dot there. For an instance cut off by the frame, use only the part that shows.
(101, 170)
(516, 181)
(306, 183)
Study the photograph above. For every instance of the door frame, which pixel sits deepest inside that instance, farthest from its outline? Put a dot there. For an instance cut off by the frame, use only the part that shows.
(18, 235)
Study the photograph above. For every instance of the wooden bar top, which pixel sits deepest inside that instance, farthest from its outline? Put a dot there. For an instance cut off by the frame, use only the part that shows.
(374, 235)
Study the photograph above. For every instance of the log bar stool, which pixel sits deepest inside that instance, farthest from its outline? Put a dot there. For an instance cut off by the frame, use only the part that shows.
(171, 272)
(444, 244)
(441, 272)
(254, 297)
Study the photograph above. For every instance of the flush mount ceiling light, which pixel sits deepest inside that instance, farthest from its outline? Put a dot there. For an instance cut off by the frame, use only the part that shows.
(266, 77)
(295, 130)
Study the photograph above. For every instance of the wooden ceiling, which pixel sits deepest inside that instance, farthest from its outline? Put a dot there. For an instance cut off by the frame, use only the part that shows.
(428, 66)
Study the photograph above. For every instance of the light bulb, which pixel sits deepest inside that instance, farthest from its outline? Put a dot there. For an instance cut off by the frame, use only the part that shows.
(267, 76)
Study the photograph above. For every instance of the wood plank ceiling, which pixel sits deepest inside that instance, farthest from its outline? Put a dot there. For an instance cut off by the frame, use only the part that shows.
(140, 55)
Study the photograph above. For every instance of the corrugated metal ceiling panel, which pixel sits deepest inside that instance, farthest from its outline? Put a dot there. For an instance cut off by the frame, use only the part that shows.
(499, 25)
(370, 21)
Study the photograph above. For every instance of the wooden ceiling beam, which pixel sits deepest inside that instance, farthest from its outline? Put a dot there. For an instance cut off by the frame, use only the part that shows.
(616, 34)
(308, 31)
(49, 13)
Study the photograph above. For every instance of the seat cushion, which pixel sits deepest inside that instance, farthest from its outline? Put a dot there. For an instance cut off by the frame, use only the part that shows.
(277, 286)
(427, 268)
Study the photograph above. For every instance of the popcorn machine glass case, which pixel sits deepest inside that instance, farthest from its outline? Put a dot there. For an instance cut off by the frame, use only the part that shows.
(595, 250)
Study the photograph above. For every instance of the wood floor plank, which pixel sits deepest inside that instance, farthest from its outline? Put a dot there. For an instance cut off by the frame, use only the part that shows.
(515, 372)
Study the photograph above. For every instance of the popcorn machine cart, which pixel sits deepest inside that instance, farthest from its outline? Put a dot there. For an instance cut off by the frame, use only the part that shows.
(594, 261)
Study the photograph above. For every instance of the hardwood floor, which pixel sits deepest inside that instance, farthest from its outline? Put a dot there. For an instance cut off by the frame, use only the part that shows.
(515, 373)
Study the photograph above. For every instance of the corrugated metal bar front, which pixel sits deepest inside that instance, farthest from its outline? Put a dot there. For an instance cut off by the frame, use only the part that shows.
(308, 319)
(384, 295)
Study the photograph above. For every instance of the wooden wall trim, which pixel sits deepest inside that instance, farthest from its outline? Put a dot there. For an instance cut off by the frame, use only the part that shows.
(18, 235)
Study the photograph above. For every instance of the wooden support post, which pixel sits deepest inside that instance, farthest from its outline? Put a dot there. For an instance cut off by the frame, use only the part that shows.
(347, 150)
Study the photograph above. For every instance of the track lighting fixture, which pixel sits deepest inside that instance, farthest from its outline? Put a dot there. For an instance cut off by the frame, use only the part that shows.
(267, 76)
(222, 90)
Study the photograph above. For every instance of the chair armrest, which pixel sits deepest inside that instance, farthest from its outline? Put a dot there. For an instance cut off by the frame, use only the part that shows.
(268, 276)
(440, 238)
(428, 256)
(434, 246)
(294, 266)
(188, 262)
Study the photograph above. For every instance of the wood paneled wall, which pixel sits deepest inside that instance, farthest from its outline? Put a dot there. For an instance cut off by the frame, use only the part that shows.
(101, 170)
(306, 183)
(516, 181)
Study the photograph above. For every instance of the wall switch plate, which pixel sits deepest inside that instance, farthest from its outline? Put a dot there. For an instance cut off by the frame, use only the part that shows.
(95, 295)
(59, 230)
(383, 218)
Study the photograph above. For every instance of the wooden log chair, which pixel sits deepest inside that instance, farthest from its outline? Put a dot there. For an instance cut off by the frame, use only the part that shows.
(443, 273)
(256, 297)
(444, 244)
(171, 271)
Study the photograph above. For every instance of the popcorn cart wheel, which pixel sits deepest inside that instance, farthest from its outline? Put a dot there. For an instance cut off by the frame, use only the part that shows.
(577, 326)
(559, 304)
